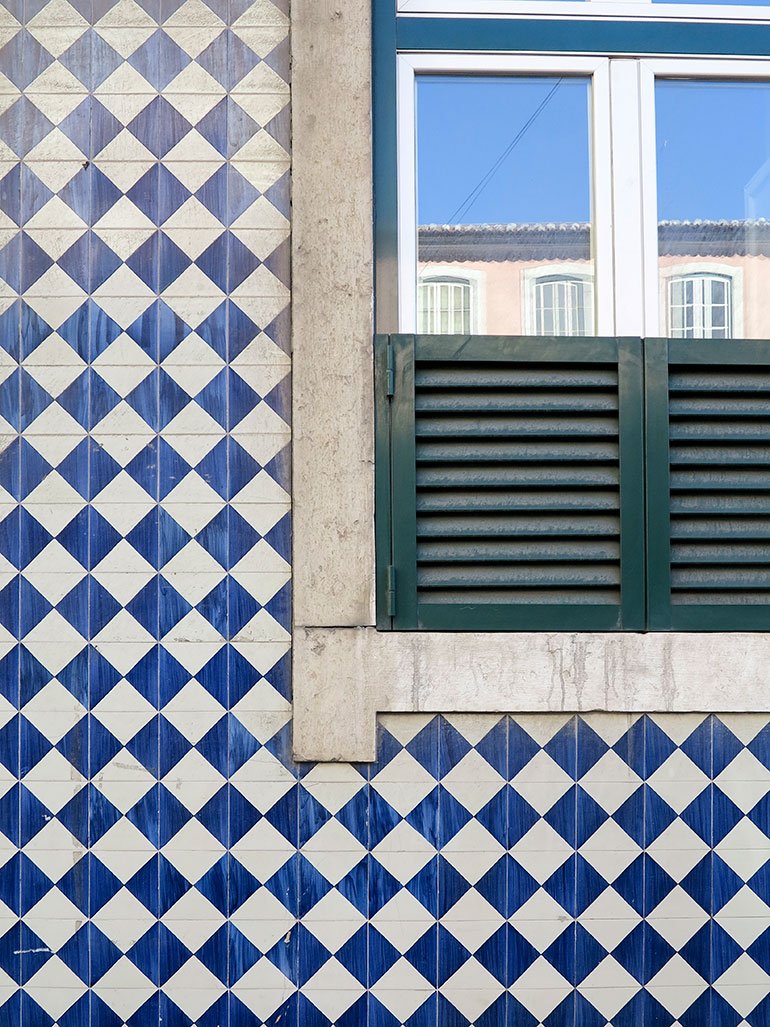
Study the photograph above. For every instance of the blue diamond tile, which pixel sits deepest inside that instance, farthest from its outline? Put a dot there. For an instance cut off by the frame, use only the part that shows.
(159, 60)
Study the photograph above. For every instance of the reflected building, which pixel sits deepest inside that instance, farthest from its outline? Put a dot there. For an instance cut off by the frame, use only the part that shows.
(538, 279)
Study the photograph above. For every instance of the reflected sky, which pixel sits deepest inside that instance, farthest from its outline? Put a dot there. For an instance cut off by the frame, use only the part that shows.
(502, 150)
(713, 145)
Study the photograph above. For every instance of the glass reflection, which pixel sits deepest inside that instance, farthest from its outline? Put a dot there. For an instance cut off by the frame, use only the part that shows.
(713, 209)
(504, 205)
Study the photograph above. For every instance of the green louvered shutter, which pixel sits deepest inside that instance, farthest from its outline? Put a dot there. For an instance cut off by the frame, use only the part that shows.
(516, 483)
(708, 484)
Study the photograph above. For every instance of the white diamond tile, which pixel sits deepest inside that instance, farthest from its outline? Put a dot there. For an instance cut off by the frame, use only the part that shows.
(541, 851)
(472, 920)
(54, 711)
(678, 781)
(124, 781)
(124, 919)
(540, 988)
(333, 989)
(193, 780)
(542, 782)
(331, 784)
(609, 987)
(263, 779)
(54, 919)
(193, 711)
(745, 849)
(263, 988)
(193, 851)
(194, 988)
(472, 989)
(541, 920)
(333, 851)
(743, 985)
(744, 917)
(403, 852)
(610, 850)
(54, 780)
(333, 920)
(124, 988)
(402, 989)
(403, 783)
(55, 987)
(744, 780)
(123, 711)
(676, 986)
(54, 850)
(123, 849)
(472, 851)
(403, 920)
(609, 919)
(677, 917)
(678, 849)
(263, 850)
(193, 919)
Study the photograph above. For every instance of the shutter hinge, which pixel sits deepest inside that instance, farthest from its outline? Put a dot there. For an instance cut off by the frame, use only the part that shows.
(391, 371)
(390, 594)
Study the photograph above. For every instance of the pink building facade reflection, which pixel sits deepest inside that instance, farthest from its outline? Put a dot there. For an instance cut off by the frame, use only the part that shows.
(714, 279)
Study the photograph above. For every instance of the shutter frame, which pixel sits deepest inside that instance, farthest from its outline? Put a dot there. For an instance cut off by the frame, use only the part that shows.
(624, 356)
(686, 357)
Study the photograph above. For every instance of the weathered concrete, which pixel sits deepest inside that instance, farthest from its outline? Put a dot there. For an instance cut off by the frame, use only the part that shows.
(333, 405)
(346, 677)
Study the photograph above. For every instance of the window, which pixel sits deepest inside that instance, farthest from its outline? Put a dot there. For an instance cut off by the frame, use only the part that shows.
(700, 307)
(529, 468)
(444, 306)
(558, 300)
(563, 306)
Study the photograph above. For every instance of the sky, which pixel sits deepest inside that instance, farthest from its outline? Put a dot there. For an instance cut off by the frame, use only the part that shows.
(474, 164)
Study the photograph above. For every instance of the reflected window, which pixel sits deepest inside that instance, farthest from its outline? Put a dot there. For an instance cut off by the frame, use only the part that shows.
(700, 306)
(563, 305)
(444, 306)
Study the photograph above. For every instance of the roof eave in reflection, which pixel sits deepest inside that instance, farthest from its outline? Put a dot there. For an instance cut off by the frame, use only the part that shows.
(571, 241)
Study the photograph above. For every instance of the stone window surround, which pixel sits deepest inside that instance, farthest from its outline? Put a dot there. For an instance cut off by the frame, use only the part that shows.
(345, 671)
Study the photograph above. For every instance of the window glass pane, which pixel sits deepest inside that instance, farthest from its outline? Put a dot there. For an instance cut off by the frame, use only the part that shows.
(714, 208)
(504, 202)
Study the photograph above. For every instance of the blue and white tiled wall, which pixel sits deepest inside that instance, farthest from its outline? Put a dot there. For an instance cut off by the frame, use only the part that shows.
(162, 860)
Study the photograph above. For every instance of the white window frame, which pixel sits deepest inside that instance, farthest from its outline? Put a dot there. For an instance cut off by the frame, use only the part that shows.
(530, 278)
(597, 68)
(635, 10)
(692, 269)
(625, 221)
(746, 69)
(474, 278)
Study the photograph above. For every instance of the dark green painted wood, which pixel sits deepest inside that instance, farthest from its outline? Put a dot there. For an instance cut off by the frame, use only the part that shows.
(403, 483)
(708, 472)
(511, 349)
(528, 522)
(385, 166)
(632, 548)
(382, 494)
(581, 36)
(507, 617)
(657, 484)
(720, 618)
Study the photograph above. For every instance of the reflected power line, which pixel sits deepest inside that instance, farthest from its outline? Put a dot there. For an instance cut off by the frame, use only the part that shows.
(478, 189)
